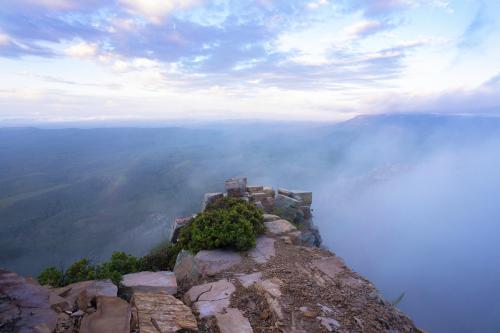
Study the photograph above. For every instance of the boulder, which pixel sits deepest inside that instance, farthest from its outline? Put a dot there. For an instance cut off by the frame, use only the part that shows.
(272, 294)
(304, 197)
(258, 196)
(279, 227)
(287, 206)
(310, 237)
(271, 217)
(268, 204)
(160, 312)
(233, 321)
(210, 198)
(269, 191)
(210, 298)
(112, 316)
(212, 262)
(149, 282)
(236, 187)
(24, 305)
(185, 268)
(285, 192)
(247, 280)
(263, 250)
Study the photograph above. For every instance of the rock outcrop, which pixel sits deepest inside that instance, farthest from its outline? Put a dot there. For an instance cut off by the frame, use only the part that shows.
(286, 283)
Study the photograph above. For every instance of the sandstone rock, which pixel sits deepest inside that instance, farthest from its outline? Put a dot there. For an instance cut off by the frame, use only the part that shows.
(268, 204)
(249, 279)
(149, 282)
(285, 192)
(24, 306)
(331, 266)
(210, 298)
(236, 187)
(279, 227)
(160, 312)
(269, 191)
(310, 237)
(210, 198)
(255, 189)
(263, 250)
(72, 291)
(271, 217)
(258, 196)
(302, 196)
(112, 316)
(271, 286)
(211, 262)
(287, 206)
(185, 267)
(233, 321)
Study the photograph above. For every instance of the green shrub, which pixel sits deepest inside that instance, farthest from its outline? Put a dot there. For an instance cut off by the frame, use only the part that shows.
(51, 276)
(81, 270)
(161, 258)
(228, 223)
(120, 263)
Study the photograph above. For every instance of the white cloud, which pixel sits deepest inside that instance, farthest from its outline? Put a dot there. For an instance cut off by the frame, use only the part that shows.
(364, 28)
(57, 4)
(157, 10)
(82, 50)
(4, 39)
(317, 4)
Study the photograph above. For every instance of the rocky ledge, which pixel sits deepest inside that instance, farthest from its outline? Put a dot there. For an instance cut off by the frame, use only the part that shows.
(285, 284)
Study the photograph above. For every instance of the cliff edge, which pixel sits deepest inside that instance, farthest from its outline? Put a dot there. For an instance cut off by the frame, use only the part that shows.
(286, 283)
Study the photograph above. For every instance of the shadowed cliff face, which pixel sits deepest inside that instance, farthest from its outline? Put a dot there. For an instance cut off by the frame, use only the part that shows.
(408, 201)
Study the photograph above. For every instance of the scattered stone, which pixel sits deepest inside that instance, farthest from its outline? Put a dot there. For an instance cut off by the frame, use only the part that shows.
(279, 227)
(149, 282)
(263, 250)
(160, 312)
(185, 267)
(249, 279)
(24, 305)
(329, 323)
(112, 316)
(210, 198)
(210, 298)
(212, 262)
(233, 321)
(271, 286)
(236, 187)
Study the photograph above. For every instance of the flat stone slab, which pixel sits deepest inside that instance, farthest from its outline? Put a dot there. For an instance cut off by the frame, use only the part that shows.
(330, 266)
(263, 250)
(160, 312)
(233, 321)
(249, 279)
(112, 316)
(210, 298)
(279, 227)
(24, 306)
(212, 262)
(271, 286)
(185, 267)
(150, 282)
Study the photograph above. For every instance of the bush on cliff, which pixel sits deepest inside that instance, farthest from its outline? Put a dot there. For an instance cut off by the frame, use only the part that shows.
(161, 258)
(227, 223)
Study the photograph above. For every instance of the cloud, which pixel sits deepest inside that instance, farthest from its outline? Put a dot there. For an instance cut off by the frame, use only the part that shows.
(157, 10)
(4, 39)
(477, 29)
(82, 50)
(365, 28)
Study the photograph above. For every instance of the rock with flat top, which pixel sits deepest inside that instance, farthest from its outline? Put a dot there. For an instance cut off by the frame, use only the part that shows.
(82, 293)
(160, 312)
(233, 321)
(263, 250)
(212, 262)
(210, 298)
(279, 227)
(255, 189)
(303, 196)
(149, 282)
(24, 305)
(236, 187)
(287, 207)
(112, 316)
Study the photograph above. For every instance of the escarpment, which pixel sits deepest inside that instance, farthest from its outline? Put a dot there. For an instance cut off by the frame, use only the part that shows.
(283, 282)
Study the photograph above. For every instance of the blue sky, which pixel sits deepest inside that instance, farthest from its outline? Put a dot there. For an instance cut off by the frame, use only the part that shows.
(74, 60)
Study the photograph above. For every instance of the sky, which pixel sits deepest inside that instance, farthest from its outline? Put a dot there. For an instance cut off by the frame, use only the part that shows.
(315, 60)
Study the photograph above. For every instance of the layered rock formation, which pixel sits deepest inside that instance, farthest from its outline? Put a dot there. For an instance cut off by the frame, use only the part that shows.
(285, 284)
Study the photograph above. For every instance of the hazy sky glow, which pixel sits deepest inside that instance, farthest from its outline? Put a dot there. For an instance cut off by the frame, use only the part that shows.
(74, 60)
